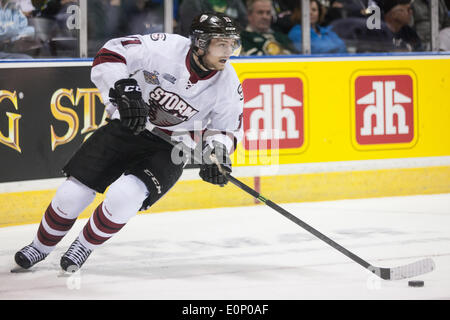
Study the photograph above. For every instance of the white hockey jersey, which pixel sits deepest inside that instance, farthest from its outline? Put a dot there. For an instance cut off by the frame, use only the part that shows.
(160, 64)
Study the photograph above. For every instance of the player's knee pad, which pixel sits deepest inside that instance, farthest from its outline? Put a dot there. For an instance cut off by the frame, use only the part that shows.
(124, 198)
(72, 197)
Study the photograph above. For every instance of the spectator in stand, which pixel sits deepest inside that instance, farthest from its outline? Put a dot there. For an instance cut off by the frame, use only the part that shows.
(15, 32)
(50, 19)
(282, 21)
(422, 23)
(189, 9)
(258, 38)
(49, 8)
(26, 6)
(323, 39)
(397, 16)
(105, 21)
(342, 9)
(143, 16)
(359, 38)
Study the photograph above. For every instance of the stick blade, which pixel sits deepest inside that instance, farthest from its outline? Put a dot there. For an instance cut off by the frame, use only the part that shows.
(413, 269)
(406, 271)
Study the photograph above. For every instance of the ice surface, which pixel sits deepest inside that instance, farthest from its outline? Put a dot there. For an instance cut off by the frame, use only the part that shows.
(249, 253)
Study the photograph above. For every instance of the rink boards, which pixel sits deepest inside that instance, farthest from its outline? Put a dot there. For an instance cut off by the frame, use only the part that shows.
(316, 128)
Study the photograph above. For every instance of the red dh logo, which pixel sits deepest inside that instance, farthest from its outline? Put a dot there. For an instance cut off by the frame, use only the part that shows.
(384, 109)
(273, 111)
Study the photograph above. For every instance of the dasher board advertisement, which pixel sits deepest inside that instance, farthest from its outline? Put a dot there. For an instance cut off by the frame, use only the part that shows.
(45, 114)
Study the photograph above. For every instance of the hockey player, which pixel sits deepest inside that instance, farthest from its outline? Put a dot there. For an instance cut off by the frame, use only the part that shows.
(156, 80)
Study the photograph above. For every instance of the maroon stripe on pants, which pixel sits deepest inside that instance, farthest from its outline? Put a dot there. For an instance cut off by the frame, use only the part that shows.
(46, 238)
(57, 222)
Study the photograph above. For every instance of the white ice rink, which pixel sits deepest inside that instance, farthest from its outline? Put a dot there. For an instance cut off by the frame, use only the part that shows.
(249, 253)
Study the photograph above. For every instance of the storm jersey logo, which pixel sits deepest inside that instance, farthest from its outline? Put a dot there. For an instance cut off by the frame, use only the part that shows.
(168, 109)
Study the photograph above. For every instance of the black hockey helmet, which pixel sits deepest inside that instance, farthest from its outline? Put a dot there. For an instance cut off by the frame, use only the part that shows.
(207, 26)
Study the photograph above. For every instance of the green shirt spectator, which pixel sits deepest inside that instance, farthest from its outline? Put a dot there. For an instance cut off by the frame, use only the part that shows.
(258, 38)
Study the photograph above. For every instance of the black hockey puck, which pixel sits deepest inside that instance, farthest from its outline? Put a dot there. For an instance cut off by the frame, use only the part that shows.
(416, 283)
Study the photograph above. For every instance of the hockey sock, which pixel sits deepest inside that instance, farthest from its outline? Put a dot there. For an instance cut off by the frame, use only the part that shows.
(51, 230)
(122, 202)
(71, 198)
(98, 229)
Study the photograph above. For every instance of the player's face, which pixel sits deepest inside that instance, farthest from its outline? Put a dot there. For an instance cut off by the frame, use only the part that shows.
(219, 51)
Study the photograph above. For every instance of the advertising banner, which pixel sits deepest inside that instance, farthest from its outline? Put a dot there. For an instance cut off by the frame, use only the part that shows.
(331, 109)
(45, 114)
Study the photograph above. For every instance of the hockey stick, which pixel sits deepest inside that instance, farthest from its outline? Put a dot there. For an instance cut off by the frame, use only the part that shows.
(397, 273)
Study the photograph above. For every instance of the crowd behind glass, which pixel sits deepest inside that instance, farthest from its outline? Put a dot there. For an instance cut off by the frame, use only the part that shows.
(51, 28)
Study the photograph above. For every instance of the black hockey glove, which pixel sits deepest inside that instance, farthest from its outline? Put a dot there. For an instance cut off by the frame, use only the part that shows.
(132, 108)
(209, 171)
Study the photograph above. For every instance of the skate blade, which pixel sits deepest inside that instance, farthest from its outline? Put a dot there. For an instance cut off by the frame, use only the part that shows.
(63, 274)
(19, 269)
(69, 273)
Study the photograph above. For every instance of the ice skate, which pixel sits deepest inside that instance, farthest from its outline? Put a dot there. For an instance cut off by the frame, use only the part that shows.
(74, 257)
(27, 257)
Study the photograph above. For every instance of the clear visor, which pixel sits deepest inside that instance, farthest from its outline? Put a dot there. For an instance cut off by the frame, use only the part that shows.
(227, 46)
